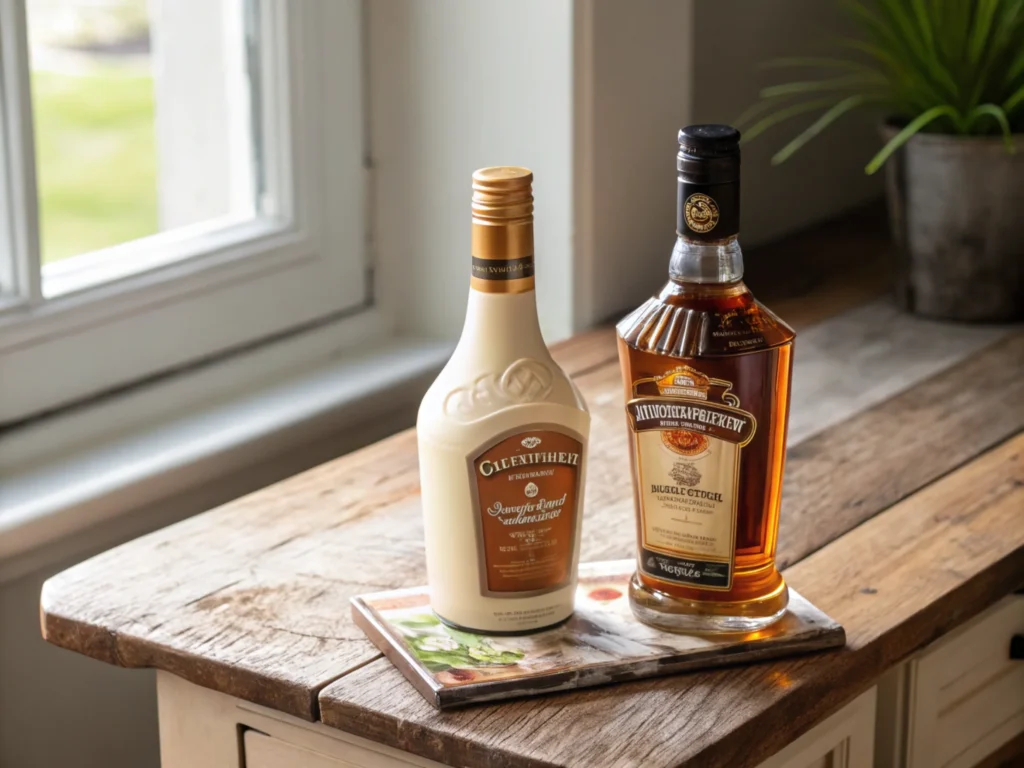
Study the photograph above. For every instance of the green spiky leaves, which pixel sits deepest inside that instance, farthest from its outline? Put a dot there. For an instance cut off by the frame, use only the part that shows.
(940, 66)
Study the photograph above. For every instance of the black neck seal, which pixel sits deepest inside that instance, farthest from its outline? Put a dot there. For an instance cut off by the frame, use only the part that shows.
(708, 205)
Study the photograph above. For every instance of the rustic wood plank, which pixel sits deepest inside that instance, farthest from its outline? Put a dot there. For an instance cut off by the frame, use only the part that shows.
(897, 582)
(171, 571)
(586, 351)
(237, 599)
(891, 450)
(864, 356)
(252, 599)
(842, 476)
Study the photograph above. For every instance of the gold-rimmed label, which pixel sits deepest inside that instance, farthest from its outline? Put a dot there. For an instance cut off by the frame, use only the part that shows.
(688, 432)
(526, 493)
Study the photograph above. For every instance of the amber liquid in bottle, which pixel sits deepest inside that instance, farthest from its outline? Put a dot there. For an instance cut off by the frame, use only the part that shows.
(706, 370)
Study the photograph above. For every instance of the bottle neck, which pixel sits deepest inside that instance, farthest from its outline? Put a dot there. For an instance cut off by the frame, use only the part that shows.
(706, 262)
(502, 257)
(707, 222)
(501, 328)
(501, 318)
(509, 315)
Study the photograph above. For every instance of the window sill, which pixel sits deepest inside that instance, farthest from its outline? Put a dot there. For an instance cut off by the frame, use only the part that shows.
(51, 506)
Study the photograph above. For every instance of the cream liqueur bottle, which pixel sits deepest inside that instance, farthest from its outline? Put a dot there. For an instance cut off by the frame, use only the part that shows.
(502, 440)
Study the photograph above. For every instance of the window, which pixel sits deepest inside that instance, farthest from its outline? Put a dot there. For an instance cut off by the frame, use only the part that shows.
(178, 179)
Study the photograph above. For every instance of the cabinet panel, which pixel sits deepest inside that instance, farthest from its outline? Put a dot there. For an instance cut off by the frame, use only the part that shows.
(844, 740)
(999, 704)
(965, 693)
(265, 751)
(262, 751)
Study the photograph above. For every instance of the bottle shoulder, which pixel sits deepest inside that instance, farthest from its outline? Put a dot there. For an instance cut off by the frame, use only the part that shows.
(702, 321)
(467, 393)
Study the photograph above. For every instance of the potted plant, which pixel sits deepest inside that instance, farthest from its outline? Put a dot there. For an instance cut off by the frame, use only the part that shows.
(949, 77)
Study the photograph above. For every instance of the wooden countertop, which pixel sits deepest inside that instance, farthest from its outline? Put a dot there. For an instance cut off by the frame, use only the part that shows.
(902, 518)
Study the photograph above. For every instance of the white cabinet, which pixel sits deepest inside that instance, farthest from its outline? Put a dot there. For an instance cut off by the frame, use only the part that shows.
(200, 728)
(959, 699)
(263, 751)
(844, 740)
(303, 748)
(950, 706)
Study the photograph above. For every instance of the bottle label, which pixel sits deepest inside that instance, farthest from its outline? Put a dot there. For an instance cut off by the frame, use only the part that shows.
(526, 489)
(689, 432)
(708, 212)
(501, 275)
(502, 269)
(700, 213)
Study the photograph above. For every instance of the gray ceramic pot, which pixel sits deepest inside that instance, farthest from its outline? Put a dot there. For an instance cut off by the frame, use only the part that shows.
(956, 208)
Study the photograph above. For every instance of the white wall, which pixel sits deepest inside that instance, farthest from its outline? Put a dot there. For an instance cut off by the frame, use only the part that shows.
(455, 86)
(656, 65)
(590, 94)
(826, 176)
(633, 97)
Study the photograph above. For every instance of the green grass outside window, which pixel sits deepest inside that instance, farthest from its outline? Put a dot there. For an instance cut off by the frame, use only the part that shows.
(96, 159)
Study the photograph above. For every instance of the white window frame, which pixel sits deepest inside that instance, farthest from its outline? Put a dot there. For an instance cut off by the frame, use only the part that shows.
(208, 291)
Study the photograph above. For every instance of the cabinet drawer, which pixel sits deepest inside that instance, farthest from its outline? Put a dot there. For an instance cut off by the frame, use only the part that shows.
(265, 751)
(262, 751)
(966, 693)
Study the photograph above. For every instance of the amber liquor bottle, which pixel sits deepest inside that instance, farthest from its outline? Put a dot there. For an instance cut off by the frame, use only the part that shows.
(706, 370)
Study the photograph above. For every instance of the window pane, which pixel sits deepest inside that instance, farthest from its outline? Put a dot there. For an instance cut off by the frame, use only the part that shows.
(142, 118)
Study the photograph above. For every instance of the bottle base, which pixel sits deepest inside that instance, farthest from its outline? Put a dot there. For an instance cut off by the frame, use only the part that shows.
(673, 614)
(501, 632)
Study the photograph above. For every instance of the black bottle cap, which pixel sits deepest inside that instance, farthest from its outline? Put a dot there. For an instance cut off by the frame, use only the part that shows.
(710, 140)
(708, 166)
(709, 154)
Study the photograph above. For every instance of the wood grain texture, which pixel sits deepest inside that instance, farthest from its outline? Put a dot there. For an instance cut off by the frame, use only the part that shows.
(868, 354)
(840, 477)
(835, 479)
(897, 582)
(252, 599)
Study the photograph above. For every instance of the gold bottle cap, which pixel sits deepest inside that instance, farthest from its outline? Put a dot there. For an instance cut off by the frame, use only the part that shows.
(503, 194)
(502, 230)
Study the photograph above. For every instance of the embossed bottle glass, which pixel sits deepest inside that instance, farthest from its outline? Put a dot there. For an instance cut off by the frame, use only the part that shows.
(502, 440)
(706, 370)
